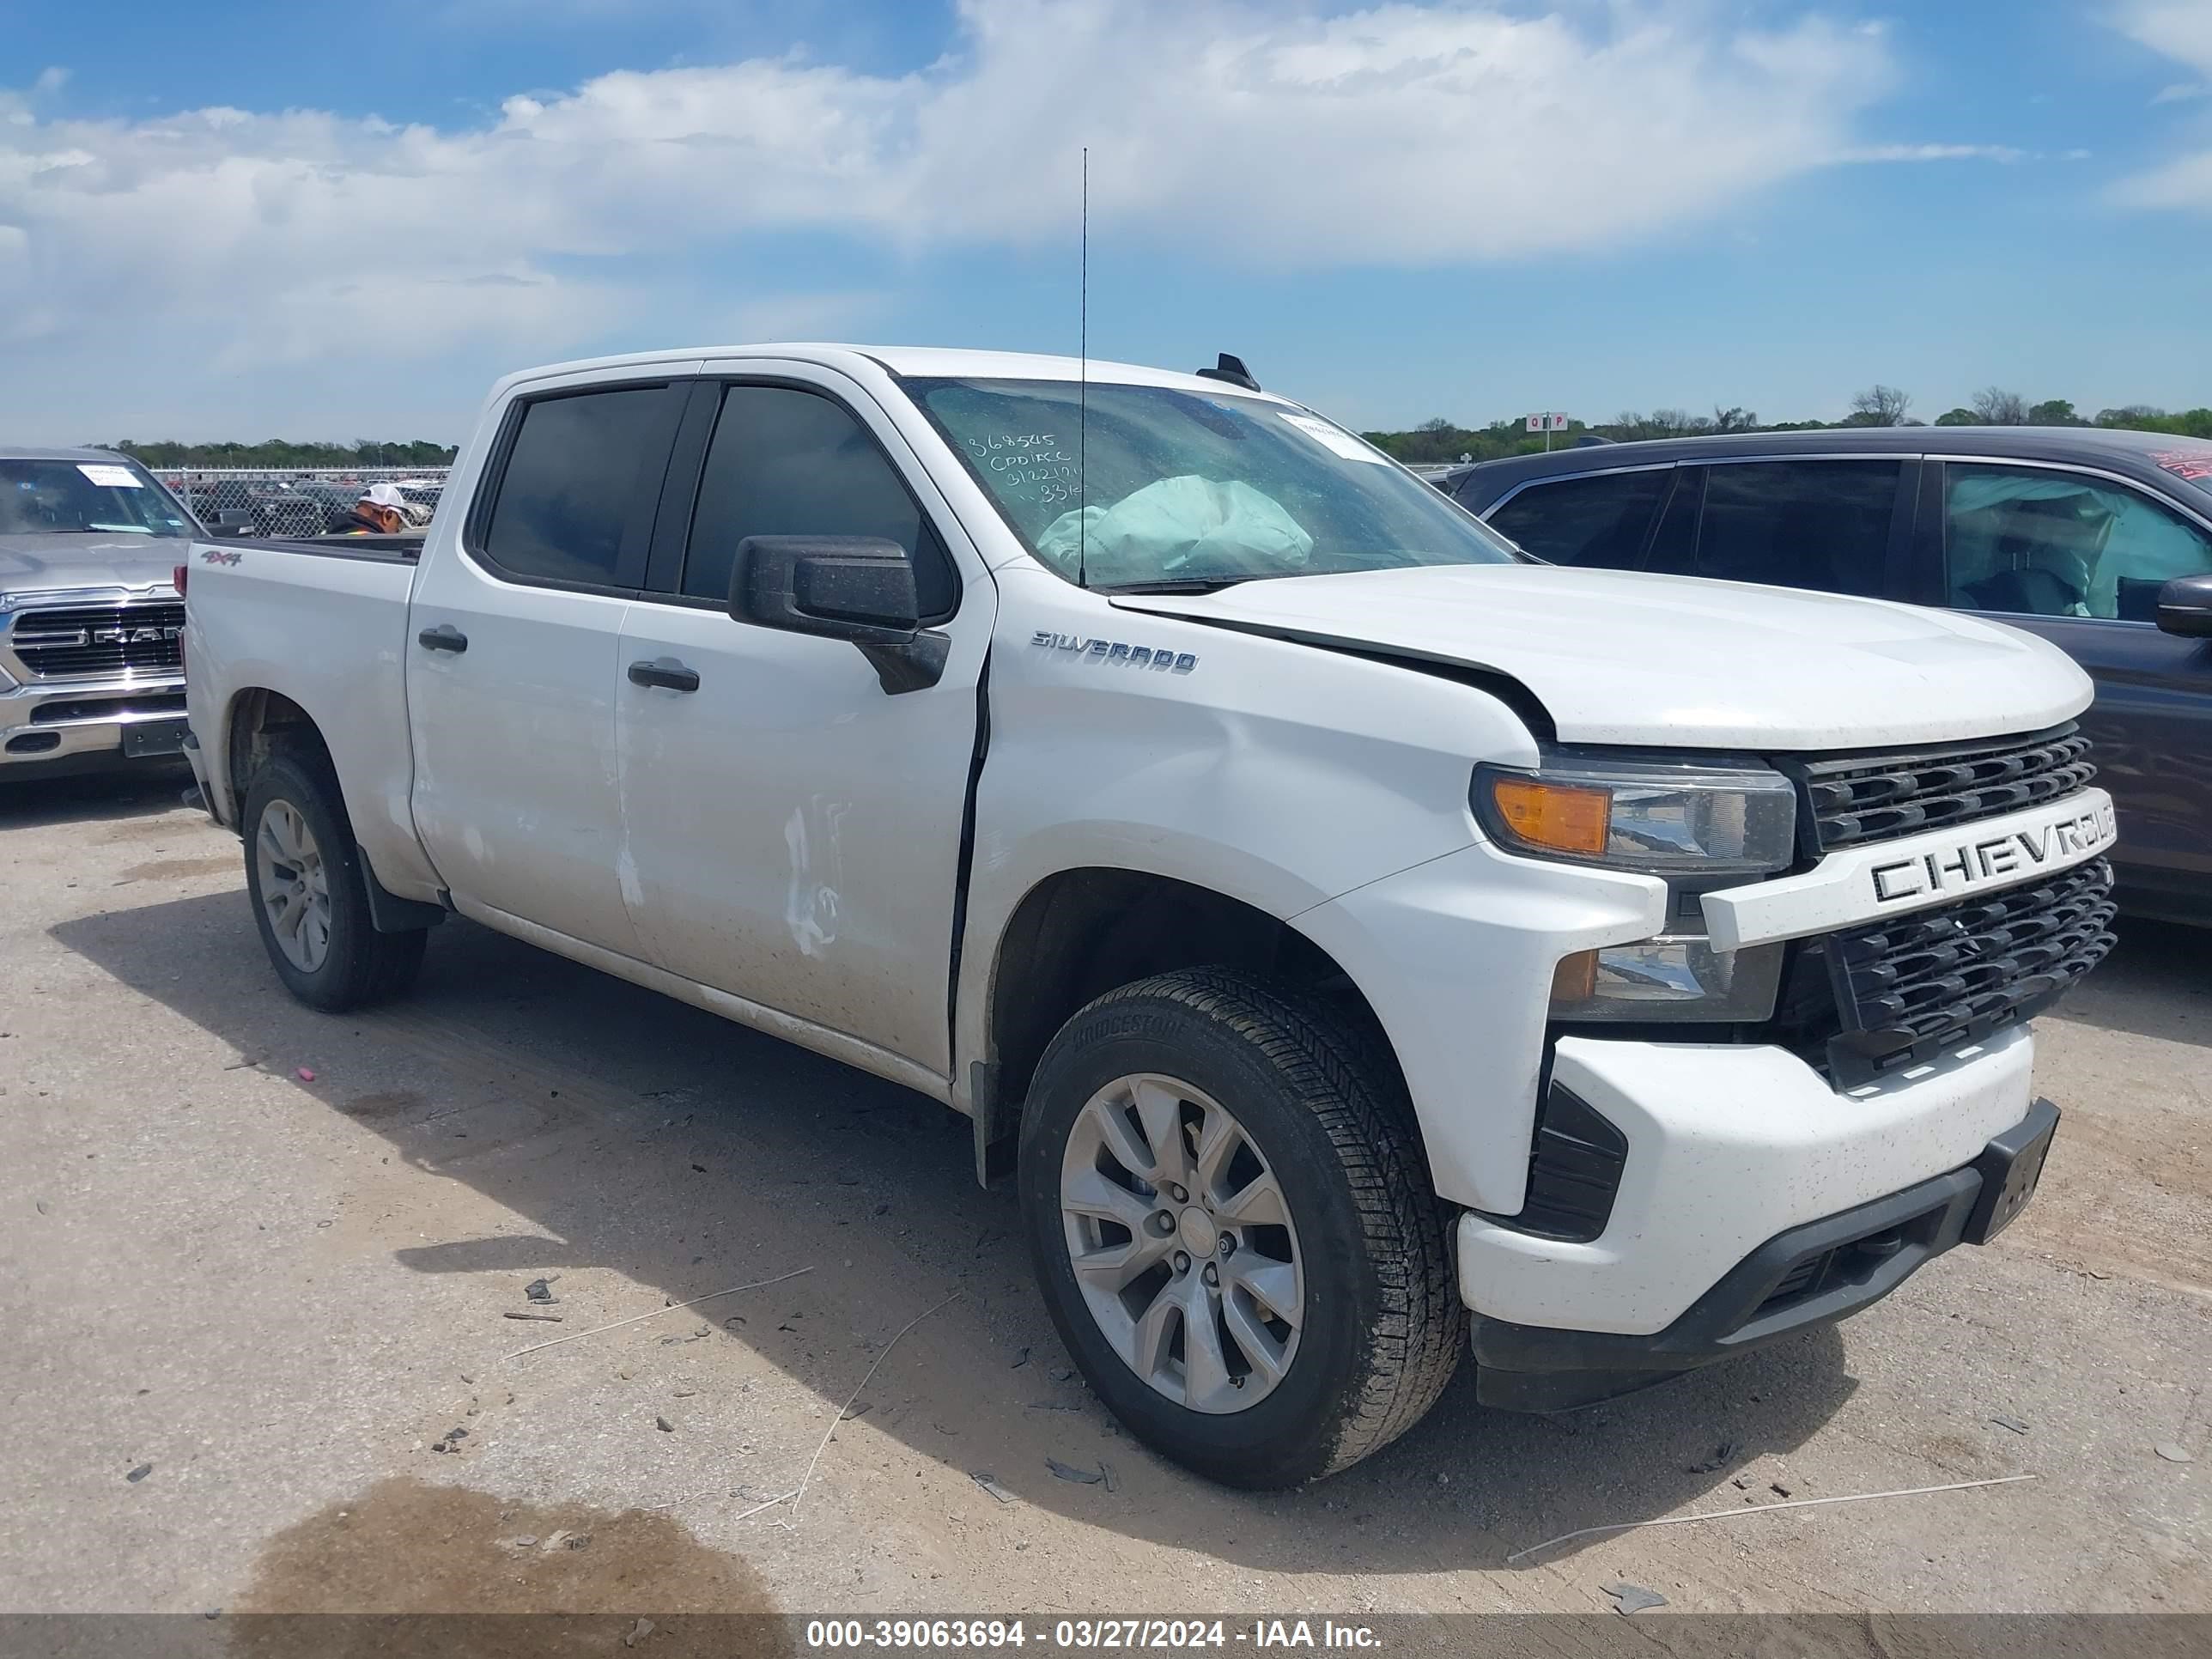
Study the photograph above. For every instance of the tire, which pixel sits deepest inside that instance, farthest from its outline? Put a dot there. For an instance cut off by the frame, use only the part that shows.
(355, 966)
(1380, 1328)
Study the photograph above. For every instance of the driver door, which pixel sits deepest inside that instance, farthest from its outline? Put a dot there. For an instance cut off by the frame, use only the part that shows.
(792, 830)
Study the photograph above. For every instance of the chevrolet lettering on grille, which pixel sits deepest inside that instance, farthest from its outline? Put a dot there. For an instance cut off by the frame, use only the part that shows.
(1979, 861)
(1970, 861)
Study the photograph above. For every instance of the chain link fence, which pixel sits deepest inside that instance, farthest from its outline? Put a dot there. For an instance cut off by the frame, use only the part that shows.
(295, 500)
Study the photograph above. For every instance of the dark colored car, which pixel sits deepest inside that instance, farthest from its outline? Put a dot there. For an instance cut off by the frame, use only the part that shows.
(2100, 541)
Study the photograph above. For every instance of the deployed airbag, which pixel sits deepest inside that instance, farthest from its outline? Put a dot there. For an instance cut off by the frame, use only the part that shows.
(1200, 525)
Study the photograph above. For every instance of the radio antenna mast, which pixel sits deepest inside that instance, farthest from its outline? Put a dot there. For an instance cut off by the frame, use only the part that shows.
(1082, 388)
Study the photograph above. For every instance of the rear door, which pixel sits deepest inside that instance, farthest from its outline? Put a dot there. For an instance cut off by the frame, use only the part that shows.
(1835, 525)
(512, 659)
(792, 829)
(2078, 556)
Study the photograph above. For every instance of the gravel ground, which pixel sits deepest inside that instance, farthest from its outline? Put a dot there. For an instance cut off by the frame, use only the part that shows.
(257, 1263)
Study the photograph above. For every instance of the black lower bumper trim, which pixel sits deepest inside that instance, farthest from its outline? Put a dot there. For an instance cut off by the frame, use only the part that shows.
(1811, 1275)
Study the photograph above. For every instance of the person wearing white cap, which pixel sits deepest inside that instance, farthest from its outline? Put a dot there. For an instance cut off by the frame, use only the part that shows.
(381, 510)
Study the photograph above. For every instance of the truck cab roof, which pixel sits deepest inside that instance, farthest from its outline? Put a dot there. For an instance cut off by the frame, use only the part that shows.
(921, 362)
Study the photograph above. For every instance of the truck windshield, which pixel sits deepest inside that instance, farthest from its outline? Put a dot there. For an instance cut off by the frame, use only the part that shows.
(85, 498)
(1155, 486)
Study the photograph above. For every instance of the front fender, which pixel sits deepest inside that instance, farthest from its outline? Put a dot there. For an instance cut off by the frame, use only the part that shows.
(1277, 775)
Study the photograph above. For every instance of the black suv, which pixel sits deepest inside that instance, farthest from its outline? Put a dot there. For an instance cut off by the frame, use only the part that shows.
(2100, 541)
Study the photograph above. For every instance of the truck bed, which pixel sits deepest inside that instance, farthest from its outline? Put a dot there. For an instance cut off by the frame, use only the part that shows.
(321, 622)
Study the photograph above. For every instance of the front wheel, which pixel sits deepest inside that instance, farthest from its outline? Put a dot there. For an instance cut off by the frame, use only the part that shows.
(305, 876)
(1230, 1215)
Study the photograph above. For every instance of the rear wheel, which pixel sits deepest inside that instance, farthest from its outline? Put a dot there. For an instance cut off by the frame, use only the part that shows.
(1229, 1212)
(305, 876)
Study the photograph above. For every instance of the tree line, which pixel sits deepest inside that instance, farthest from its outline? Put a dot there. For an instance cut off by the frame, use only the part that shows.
(277, 454)
(1439, 439)
(1442, 440)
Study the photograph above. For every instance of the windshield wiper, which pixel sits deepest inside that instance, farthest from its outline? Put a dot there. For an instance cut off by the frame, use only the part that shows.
(1179, 585)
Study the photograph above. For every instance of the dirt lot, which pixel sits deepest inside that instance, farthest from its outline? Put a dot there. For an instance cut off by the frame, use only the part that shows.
(255, 1264)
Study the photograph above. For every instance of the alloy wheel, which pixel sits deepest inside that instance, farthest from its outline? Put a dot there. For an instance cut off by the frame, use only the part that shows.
(294, 885)
(1182, 1243)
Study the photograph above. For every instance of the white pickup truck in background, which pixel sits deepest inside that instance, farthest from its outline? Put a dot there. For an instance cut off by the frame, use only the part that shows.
(1359, 942)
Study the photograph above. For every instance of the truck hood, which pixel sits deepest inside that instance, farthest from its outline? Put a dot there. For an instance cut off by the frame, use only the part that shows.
(29, 564)
(1672, 661)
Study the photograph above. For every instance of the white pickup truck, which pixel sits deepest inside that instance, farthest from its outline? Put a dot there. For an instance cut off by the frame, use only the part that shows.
(1358, 942)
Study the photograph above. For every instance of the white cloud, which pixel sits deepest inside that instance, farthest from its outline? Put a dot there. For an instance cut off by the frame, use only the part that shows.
(2182, 92)
(2004, 153)
(2185, 184)
(1227, 131)
(2181, 30)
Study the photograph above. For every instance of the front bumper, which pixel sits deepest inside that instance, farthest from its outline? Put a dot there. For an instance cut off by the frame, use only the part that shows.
(52, 725)
(1726, 1148)
(1807, 1276)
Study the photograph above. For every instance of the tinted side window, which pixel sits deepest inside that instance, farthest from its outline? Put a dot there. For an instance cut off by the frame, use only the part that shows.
(2062, 544)
(1598, 520)
(571, 483)
(1674, 551)
(1823, 525)
(789, 463)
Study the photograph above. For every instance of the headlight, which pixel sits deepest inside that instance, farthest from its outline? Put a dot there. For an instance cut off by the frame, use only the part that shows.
(1699, 827)
(1672, 976)
(1658, 820)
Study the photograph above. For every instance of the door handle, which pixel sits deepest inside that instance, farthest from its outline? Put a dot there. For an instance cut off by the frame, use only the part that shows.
(444, 637)
(667, 673)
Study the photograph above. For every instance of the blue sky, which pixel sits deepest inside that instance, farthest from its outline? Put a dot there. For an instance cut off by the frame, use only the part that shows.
(258, 220)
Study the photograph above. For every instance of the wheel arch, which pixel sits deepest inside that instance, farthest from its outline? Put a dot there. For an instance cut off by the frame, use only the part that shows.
(1081, 931)
(258, 721)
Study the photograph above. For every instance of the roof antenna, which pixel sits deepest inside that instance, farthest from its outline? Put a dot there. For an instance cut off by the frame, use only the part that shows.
(1083, 390)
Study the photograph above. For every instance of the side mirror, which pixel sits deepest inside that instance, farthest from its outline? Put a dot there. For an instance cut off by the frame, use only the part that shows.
(846, 587)
(2184, 607)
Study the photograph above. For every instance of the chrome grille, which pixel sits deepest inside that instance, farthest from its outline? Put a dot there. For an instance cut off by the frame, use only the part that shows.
(84, 641)
(1854, 799)
(1911, 989)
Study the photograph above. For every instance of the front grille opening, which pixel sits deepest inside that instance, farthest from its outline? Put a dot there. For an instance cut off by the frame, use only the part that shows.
(1850, 1264)
(1855, 798)
(84, 639)
(1905, 992)
(1798, 1282)
(56, 712)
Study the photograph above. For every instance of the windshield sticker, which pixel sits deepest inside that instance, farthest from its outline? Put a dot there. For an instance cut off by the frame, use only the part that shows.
(110, 477)
(2194, 465)
(1335, 442)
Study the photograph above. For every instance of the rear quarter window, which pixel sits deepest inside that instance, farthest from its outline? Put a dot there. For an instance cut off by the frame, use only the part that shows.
(573, 479)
